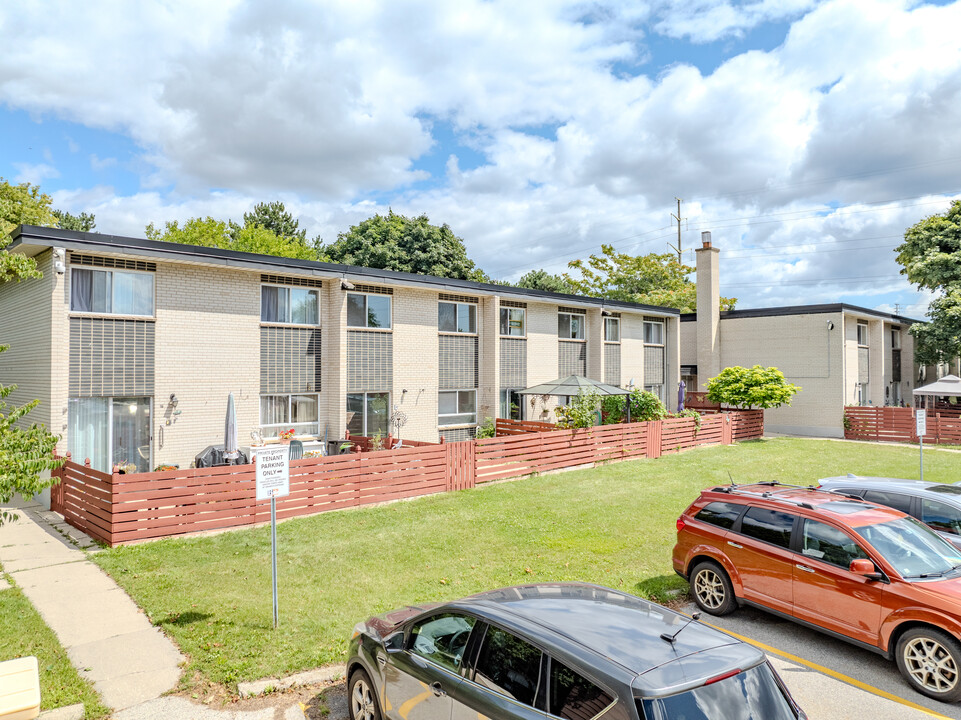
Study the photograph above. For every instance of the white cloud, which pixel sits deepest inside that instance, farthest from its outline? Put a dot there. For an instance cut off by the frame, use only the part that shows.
(34, 173)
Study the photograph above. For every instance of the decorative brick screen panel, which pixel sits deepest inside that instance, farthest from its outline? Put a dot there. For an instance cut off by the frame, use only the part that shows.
(513, 363)
(457, 362)
(290, 360)
(457, 435)
(864, 365)
(111, 357)
(370, 364)
(653, 365)
(612, 364)
(572, 358)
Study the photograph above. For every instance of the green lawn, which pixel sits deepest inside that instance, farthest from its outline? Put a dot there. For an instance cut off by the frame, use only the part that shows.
(23, 632)
(612, 525)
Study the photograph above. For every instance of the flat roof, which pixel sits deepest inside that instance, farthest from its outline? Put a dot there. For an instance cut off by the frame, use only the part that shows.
(803, 310)
(31, 240)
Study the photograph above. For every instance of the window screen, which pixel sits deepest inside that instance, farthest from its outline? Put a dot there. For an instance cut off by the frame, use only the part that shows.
(770, 526)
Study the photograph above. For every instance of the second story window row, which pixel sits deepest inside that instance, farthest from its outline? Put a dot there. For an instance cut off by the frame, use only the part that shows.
(571, 324)
(457, 317)
(371, 311)
(112, 292)
(293, 305)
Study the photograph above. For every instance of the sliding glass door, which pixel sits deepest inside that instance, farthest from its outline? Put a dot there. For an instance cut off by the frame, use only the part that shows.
(110, 431)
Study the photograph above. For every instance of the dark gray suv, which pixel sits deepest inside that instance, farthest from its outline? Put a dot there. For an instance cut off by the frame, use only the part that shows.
(568, 650)
(935, 504)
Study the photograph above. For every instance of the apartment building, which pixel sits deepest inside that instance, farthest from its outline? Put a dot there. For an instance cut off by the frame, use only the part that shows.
(132, 347)
(839, 354)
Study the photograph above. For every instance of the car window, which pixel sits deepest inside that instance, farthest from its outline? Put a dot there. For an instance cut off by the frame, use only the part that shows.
(859, 492)
(509, 665)
(721, 514)
(442, 639)
(771, 526)
(574, 697)
(829, 544)
(898, 501)
(942, 517)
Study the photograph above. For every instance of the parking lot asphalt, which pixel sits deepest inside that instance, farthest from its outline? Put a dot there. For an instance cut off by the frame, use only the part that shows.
(830, 678)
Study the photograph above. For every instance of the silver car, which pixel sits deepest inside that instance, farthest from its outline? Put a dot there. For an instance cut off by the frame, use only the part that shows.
(935, 504)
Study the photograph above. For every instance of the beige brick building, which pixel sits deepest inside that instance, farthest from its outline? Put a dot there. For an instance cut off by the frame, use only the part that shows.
(839, 354)
(132, 347)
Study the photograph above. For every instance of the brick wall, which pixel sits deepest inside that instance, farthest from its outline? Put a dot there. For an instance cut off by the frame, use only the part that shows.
(416, 350)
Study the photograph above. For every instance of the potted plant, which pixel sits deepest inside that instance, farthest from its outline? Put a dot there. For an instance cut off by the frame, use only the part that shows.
(286, 436)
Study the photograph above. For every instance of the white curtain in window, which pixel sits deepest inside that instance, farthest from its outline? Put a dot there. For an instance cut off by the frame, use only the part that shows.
(89, 432)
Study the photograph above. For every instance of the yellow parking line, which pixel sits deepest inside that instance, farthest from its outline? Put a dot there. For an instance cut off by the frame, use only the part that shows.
(832, 673)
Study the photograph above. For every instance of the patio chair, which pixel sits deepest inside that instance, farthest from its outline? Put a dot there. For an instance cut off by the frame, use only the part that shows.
(296, 449)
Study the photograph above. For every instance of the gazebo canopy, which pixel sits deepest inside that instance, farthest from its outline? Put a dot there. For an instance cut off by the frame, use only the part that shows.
(948, 385)
(572, 385)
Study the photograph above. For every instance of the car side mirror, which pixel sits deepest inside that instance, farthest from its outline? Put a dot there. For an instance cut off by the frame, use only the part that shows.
(394, 642)
(865, 568)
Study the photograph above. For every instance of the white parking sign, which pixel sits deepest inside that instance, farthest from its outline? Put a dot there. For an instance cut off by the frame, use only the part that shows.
(922, 420)
(273, 472)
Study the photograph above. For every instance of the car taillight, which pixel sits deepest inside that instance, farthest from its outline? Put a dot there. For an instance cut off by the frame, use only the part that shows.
(680, 523)
(725, 676)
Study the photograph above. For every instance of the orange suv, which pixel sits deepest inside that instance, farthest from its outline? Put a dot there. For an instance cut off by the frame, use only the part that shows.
(867, 574)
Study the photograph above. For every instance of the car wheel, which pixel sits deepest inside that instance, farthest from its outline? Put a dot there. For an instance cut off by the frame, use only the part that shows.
(712, 589)
(930, 660)
(363, 703)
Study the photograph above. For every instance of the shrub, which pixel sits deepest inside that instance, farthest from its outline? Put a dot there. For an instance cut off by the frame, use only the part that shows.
(486, 429)
(755, 387)
(582, 411)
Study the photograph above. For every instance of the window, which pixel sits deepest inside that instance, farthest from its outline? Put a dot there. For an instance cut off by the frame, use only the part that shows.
(456, 407)
(574, 697)
(457, 317)
(511, 405)
(830, 545)
(943, 518)
(612, 329)
(570, 326)
(442, 639)
(898, 501)
(721, 514)
(288, 305)
(367, 413)
(862, 334)
(112, 292)
(509, 665)
(368, 311)
(653, 332)
(284, 412)
(896, 338)
(770, 526)
(514, 322)
(110, 431)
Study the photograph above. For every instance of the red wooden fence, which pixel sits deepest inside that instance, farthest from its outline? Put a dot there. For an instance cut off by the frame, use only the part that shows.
(897, 424)
(116, 509)
(505, 426)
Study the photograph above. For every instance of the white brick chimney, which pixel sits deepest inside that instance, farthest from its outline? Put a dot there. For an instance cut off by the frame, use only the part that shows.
(708, 312)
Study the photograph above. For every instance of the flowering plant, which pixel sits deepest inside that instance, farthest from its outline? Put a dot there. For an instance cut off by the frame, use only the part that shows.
(286, 434)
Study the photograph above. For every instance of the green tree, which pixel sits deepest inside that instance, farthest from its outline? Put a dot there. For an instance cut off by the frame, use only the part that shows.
(21, 204)
(543, 280)
(25, 452)
(751, 387)
(209, 232)
(649, 279)
(395, 242)
(84, 222)
(930, 257)
(273, 216)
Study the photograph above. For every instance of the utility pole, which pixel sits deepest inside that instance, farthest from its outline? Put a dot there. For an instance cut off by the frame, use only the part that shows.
(677, 217)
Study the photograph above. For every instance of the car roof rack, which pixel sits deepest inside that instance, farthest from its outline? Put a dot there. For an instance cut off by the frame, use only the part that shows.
(768, 495)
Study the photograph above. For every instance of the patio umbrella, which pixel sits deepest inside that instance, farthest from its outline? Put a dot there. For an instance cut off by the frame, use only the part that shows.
(680, 396)
(231, 451)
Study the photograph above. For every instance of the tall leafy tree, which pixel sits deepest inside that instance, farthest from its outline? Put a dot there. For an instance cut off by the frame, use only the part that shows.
(25, 450)
(651, 279)
(273, 216)
(395, 242)
(21, 204)
(930, 257)
(84, 222)
(210, 232)
(543, 280)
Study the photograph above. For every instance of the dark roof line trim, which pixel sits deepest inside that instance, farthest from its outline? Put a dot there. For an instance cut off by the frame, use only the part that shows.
(93, 242)
(802, 310)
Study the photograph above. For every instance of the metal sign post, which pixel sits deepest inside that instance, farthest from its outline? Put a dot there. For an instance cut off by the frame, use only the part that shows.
(921, 420)
(273, 480)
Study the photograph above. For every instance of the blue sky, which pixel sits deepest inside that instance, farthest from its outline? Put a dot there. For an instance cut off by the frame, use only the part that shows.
(805, 136)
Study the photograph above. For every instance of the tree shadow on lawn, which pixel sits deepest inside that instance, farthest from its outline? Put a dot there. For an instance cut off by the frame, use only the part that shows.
(183, 619)
(670, 590)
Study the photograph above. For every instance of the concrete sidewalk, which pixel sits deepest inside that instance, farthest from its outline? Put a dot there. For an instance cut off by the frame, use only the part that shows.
(108, 639)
